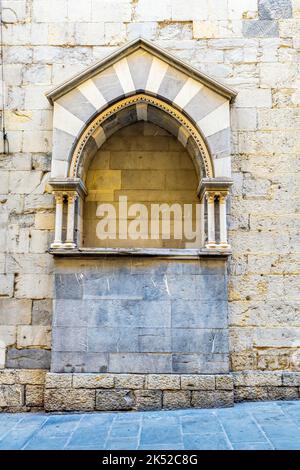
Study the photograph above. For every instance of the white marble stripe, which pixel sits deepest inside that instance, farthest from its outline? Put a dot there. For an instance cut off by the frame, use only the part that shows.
(156, 75)
(215, 121)
(124, 75)
(66, 121)
(183, 135)
(141, 111)
(59, 168)
(222, 166)
(187, 92)
(92, 94)
(99, 136)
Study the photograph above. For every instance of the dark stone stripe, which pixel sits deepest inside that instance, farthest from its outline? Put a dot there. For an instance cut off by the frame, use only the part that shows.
(203, 103)
(220, 143)
(62, 144)
(77, 104)
(139, 66)
(109, 84)
(172, 83)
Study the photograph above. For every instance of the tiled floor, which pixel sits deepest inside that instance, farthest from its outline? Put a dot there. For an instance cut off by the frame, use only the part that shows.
(269, 425)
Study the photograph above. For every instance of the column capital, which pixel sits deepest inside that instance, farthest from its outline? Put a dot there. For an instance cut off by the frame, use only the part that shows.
(210, 196)
(59, 196)
(68, 185)
(71, 196)
(214, 185)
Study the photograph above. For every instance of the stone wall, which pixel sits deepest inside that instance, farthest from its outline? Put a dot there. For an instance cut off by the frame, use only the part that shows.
(252, 45)
(35, 390)
(137, 315)
(149, 166)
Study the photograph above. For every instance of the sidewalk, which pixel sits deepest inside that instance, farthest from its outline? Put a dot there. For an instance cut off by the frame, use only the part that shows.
(261, 425)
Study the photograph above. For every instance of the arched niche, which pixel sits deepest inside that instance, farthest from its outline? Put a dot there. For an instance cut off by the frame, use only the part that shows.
(140, 82)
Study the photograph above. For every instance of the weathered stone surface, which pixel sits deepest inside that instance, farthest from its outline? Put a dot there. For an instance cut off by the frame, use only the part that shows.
(250, 394)
(131, 381)
(15, 312)
(38, 336)
(260, 28)
(69, 400)
(163, 382)
(11, 395)
(31, 377)
(8, 377)
(257, 378)
(198, 382)
(224, 382)
(28, 358)
(251, 45)
(108, 400)
(42, 312)
(291, 379)
(93, 381)
(58, 380)
(176, 399)
(274, 9)
(34, 395)
(283, 393)
(212, 399)
(148, 400)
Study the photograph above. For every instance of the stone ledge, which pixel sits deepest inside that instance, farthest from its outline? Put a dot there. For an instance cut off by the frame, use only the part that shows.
(184, 253)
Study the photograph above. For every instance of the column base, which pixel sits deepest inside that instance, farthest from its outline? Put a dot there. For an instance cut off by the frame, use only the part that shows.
(211, 246)
(69, 245)
(57, 245)
(224, 246)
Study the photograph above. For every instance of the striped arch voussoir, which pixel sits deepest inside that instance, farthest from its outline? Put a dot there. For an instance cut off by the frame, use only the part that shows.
(186, 131)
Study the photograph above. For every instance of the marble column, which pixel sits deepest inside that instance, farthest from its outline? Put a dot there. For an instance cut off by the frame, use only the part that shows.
(70, 239)
(223, 221)
(211, 242)
(59, 201)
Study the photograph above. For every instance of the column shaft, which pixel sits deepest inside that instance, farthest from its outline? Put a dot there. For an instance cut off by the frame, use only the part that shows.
(211, 242)
(57, 243)
(70, 242)
(223, 222)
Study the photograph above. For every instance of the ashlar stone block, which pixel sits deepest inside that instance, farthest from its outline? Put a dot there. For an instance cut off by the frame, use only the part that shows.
(163, 382)
(69, 400)
(108, 400)
(176, 399)
(198, 382)
(93, 381)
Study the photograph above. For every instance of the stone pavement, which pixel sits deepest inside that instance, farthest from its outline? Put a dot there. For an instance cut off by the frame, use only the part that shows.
(261, 425)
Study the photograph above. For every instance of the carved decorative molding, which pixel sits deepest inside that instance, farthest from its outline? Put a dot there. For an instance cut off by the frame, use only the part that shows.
(135, 99)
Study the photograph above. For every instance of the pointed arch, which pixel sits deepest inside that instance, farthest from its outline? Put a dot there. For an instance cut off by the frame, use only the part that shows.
(139, 72)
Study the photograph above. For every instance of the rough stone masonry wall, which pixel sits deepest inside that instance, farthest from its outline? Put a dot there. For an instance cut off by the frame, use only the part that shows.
(35, 390)
(253, 45)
